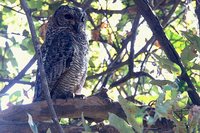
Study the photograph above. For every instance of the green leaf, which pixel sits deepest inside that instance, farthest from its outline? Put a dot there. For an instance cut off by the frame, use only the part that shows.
(182, 86)
(54, 5)
(133, 113)
(123, 21)
(150, 120)
(196, 67)
(23, 47)
(162, 109)
(32, 124)
(182, 102)
(13, 62)
(6, 10)
(48, 130)
(13, 40)
(169, 65)
(28, 45)
(14, 96)
(119, 123)
(163, 106)
(91, 63)
(174, 94)
(188, 54)
(85, 125)
(4, 72)
(163, 83)
(128, 2)
(146, 98)
(12, 1)
(1, 51)
(194, 39)
(35, 4)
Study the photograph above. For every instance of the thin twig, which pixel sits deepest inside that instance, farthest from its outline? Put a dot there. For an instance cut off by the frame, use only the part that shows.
(19, 76)
(10, 8)
(40, 65)
(132, 50)
(129, 76)
(18, 82)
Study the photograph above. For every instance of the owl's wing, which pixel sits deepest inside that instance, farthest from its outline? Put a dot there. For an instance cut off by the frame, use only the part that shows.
(57, 55)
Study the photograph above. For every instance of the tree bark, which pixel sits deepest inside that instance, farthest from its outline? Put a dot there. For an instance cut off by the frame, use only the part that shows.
(92, 107)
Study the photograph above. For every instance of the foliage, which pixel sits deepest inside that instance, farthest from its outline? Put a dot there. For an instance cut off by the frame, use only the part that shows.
(32, 124)
(119, 123)
(110, 31)
(85, 125)
(166, 106)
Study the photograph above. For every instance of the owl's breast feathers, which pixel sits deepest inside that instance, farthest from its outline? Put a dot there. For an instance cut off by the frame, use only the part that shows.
(65, 63)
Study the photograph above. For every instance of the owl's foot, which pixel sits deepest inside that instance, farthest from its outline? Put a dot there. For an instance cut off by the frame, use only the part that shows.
(79, 96)
(61, 95)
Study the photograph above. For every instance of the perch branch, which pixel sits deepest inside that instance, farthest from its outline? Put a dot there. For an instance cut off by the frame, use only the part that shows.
(93, 107)
(40, 65)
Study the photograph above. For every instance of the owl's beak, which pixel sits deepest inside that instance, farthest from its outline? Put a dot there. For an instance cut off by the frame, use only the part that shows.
(77, 27)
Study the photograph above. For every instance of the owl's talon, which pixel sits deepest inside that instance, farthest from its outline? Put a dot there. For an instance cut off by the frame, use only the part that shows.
(79, 96)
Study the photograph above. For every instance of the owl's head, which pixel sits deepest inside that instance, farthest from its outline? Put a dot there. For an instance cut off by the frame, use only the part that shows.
(70, 17)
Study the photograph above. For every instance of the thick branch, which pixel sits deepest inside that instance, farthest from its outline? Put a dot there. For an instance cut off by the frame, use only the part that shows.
(92, 107)
(95, 108)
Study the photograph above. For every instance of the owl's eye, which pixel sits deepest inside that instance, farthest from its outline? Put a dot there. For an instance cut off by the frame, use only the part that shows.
(68, 16)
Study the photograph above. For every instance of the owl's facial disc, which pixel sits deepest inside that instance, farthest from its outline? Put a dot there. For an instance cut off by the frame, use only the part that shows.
(70, 17)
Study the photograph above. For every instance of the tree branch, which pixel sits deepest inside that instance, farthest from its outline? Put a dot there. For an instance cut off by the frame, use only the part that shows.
(129, 76)
(10, 8)
(40, 64)
(19, 76)
(135, 25)
(168, 48)
(19, 82)
(93, 107)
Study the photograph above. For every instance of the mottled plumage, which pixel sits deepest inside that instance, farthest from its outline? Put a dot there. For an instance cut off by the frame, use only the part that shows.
(64, 54)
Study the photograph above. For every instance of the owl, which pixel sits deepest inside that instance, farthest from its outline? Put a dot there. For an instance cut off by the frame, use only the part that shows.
(64, 54)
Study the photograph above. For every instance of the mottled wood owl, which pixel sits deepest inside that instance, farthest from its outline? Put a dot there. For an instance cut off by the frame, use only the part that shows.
(64, 54)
